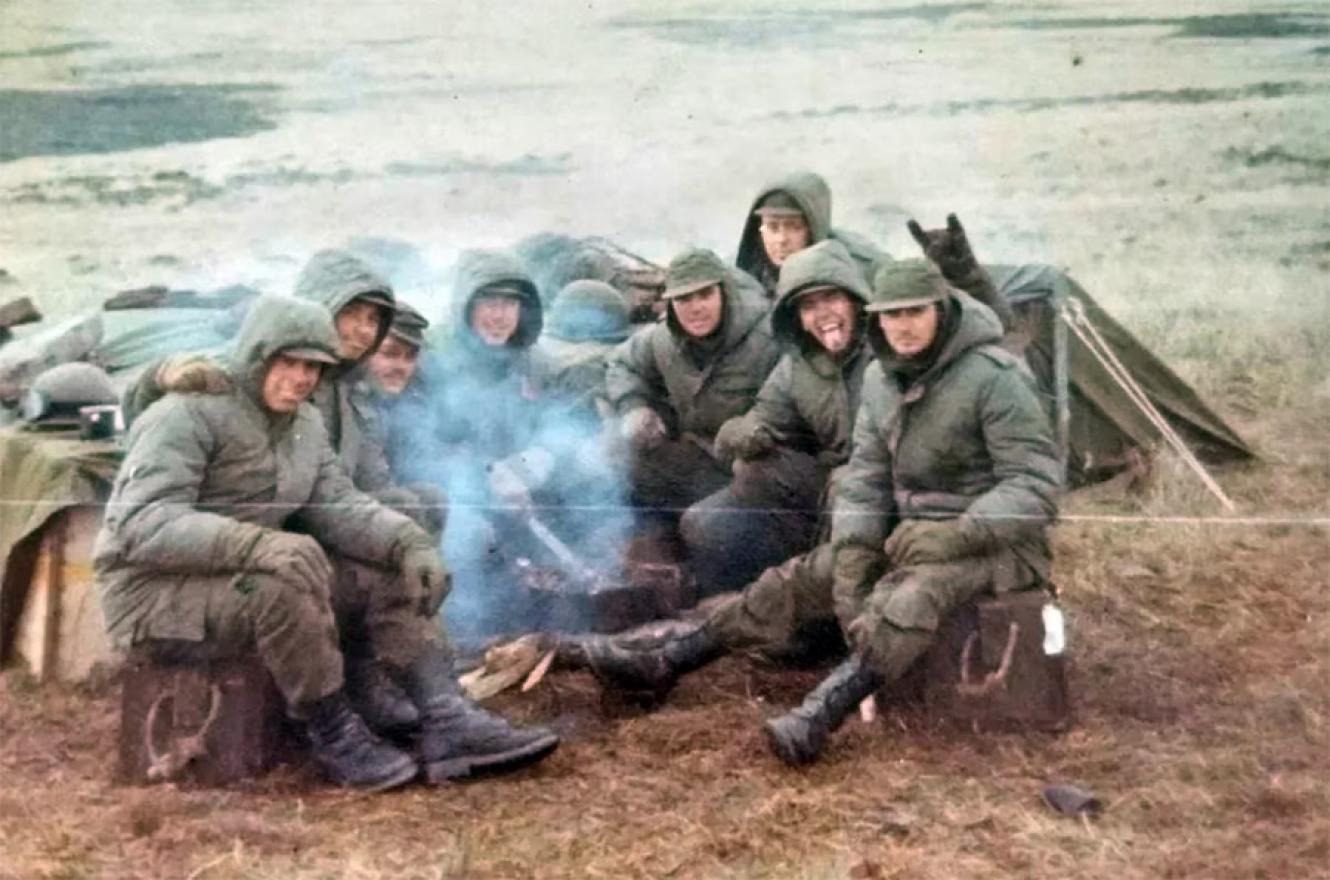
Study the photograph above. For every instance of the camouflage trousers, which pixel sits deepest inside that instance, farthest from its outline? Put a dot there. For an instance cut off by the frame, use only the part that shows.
(778, 609)
(298, 629)
(892, 621)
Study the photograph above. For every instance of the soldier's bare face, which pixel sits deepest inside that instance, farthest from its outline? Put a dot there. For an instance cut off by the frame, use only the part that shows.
(699, 313)
(289, 382)
(393, 365)
(911, 330)
(783, 235)
(828, 316)
(358, 324)
(494, 318)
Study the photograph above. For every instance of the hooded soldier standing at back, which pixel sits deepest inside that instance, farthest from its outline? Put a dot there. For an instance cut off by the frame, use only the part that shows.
(789, 215)
(674, 383)
(233, 528)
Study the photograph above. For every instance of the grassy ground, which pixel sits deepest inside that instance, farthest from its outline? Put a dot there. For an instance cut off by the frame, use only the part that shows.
(1176, 163)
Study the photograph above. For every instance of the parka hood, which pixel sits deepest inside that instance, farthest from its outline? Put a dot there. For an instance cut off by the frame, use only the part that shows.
(825, 263)
(810, 192)
(477, 269)
(975, 325)
(332, 278)
(275, 324)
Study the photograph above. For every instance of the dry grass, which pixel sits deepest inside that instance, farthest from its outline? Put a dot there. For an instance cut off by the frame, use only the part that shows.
(1199, 670)
(1201, 649)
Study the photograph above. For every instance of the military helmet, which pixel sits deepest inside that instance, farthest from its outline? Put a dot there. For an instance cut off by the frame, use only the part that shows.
(906, 284)
(586, 310)
(57, 394)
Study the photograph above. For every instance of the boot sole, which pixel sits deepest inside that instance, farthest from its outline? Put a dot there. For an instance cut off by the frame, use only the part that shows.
(437, 772)
(404, 774)
(782, 749)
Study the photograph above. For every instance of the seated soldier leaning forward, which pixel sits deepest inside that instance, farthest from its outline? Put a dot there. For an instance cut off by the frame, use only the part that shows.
(198, 558)
(674, 384)
(788, 215)
(951, 485)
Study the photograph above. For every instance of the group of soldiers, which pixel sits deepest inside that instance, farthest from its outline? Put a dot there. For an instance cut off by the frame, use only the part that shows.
(832, 437)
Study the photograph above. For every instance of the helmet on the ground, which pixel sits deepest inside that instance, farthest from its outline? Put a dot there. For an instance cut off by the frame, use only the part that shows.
(57, 394)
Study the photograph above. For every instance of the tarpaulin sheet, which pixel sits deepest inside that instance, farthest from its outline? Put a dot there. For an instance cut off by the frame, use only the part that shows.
(41, 474)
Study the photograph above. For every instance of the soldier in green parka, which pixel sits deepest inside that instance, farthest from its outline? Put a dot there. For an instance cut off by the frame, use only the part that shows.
(803, 415)
(788, 215)
(674, 383)
(232, 527)
(951, 485)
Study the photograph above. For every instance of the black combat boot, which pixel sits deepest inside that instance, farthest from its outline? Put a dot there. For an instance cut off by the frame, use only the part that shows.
(378, 699)
(349, 753)
(798, 736)
(650, 672)
(458, 738)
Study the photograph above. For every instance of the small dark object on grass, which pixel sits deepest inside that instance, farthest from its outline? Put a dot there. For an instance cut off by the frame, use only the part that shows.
(1072, 800)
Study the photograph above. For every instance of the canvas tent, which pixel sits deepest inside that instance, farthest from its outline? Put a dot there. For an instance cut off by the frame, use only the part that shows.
(1105, 428)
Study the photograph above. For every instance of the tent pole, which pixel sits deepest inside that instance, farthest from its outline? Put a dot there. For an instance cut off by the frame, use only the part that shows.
(1109, 360)
(1061, 384)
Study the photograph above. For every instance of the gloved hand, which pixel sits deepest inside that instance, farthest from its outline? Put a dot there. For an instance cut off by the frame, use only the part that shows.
(427, 578)
(191, 374)
(643, 427)
(288, 553)
(917, 541)
(742, 439)
(949, 248)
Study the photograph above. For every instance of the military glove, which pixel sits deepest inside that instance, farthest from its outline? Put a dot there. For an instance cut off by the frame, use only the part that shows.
(191, 374)
(917, 541)
(644, 428)
(743, 439)
(949, 248)
(290, 554)
(427, 578)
